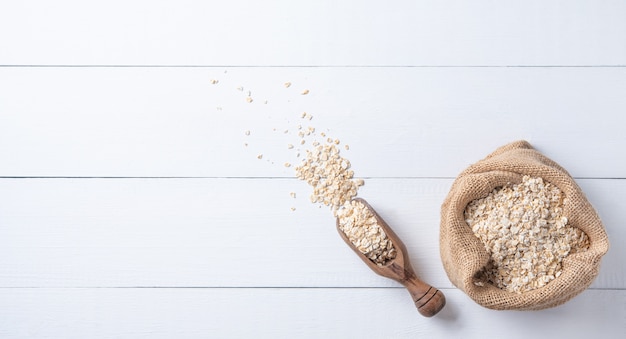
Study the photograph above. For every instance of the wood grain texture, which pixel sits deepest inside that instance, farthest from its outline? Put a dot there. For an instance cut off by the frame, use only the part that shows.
(189, 232)
(288, 313)
(174, 122)
(288, 33)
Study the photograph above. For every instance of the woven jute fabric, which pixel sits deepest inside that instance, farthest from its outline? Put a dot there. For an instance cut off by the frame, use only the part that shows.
(464, 255)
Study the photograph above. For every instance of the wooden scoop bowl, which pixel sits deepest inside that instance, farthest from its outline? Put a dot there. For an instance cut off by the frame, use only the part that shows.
(428, 299)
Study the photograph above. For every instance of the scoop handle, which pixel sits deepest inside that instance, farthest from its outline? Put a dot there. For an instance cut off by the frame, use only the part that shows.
(428, 300)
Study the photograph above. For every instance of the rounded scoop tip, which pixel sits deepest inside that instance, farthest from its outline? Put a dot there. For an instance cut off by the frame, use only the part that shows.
(433, 306)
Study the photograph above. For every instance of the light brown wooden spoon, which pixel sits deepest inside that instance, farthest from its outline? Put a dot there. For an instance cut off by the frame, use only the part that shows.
(428, 299)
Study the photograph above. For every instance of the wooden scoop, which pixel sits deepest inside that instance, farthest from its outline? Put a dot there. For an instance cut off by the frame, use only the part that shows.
(428, 299)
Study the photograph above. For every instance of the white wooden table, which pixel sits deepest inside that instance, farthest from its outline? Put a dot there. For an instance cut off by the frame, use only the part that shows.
(131, 207)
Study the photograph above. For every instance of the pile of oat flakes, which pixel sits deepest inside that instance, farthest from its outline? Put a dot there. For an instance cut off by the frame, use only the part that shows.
(361, 227)
(333, 185)
(525, 233)
(332, 180)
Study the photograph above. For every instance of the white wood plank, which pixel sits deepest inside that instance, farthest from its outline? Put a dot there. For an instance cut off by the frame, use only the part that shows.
(289, 313)
(227, 233)
(399, 122)
(278, 32)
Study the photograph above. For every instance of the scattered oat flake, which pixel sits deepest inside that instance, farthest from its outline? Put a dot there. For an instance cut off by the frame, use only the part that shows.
(303, 115)
(249, 99)
(287, 84)
(292, 194)
(287, 164)
(260, 156)
(293, 209)
(347, 147)
(290, 146)
(329, 175)
(240, 88)
(248, 132)
(214, 81)
(305, 92)
(302, 142)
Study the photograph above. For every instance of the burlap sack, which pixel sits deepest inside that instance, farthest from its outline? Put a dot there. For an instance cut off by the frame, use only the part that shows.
(464, 255)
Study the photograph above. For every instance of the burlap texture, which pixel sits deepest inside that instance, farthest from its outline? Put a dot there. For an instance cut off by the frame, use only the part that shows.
(464, 255)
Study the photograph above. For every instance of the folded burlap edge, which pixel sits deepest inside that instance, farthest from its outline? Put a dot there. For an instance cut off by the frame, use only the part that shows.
(463, 255)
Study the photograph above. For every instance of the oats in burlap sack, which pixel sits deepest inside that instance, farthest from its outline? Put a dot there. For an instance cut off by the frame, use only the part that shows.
(525, 233)
(465, 257)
